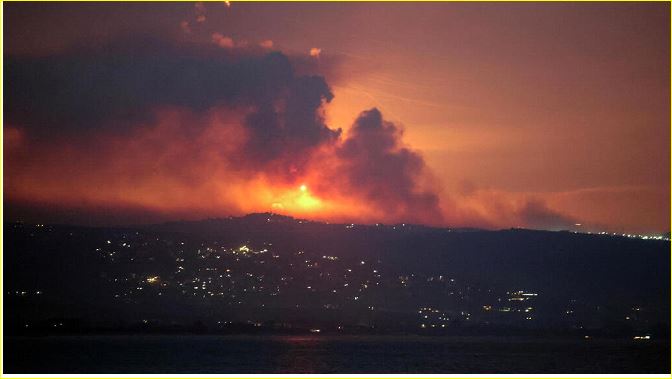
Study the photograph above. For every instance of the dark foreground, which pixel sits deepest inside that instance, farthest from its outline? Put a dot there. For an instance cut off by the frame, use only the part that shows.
(331, 354)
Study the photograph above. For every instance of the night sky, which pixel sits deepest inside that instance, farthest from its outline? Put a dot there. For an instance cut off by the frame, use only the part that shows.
(496, 115)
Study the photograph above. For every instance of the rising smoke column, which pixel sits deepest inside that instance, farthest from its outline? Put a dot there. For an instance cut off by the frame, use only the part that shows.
(170, 127)
(377, 167)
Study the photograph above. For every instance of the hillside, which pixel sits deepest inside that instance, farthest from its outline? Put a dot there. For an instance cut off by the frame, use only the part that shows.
(282, 273)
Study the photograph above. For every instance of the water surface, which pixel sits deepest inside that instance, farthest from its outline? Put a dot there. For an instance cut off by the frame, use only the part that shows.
(330, 354)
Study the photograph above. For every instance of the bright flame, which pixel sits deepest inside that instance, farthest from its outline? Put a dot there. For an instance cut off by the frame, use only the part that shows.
(315, 52)
(306, 201)
(298, 200)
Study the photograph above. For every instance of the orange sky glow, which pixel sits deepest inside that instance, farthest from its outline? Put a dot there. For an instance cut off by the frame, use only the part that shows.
(450, 114)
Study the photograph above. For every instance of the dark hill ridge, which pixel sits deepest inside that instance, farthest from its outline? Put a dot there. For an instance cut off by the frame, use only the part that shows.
(268, 267)
(532, 255)
(260, 219)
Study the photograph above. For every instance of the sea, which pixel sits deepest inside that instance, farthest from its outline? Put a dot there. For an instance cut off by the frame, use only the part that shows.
(321, 354)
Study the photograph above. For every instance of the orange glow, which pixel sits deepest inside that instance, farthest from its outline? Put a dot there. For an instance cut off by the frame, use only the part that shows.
(569, 122)
(315, 52)
(156, 171)
(205, 185)
(298, 202)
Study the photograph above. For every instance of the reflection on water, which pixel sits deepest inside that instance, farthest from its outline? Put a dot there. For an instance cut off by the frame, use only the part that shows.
(303, 354)
(301, 340)
(328, 354)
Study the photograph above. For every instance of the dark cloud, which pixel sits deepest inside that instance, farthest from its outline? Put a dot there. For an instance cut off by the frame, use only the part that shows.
(379, 167)
(118, 89)
(79, 89)
(534, 213)
(88, 88)
(290, 128)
